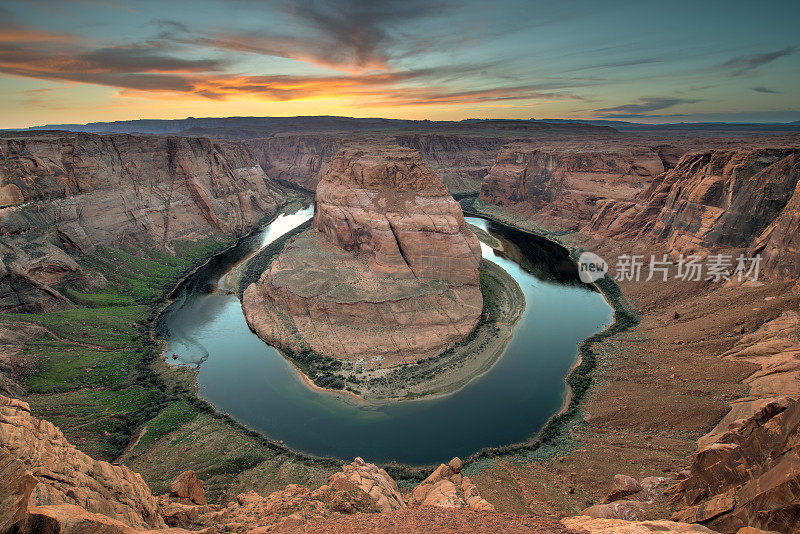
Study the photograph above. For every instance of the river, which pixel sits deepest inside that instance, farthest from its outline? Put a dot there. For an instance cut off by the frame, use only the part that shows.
(254, 383)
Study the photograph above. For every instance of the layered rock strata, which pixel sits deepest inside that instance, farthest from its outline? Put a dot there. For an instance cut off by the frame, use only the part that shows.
(742, 199)
(389, 274)
(70, 193)
(67, 476)
(749, 475)
(565, 182)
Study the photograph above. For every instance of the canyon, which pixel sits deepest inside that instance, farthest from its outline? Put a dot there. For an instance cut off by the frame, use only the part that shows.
(716, 362)
(72, 193)
(389, 272)
(51, 487)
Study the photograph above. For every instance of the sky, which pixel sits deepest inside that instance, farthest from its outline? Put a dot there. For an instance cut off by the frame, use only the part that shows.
(78, 61)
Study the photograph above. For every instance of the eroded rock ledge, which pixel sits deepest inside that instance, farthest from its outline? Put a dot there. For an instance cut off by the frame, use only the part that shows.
(47, 486)
(388, 275)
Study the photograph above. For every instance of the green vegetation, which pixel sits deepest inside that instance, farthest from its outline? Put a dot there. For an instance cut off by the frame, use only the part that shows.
(144, 273)
(97, 300)
(98, 421)
(91, 373)
(169, 420)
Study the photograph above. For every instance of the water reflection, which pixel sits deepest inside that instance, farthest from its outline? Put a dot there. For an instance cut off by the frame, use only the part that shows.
(255, 384)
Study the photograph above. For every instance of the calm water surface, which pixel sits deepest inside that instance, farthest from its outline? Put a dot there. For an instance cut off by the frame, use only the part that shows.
(252, 382)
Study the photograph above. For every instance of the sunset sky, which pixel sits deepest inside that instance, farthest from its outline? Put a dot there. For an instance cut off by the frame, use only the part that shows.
(98, 60)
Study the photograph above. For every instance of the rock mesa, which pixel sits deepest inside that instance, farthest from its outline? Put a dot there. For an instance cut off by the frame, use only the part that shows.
(389, 274)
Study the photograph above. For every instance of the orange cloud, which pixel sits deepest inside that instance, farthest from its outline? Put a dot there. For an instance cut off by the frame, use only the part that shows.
(148, 71)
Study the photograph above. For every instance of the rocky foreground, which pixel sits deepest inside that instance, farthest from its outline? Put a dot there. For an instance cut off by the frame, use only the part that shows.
(388, 275)
(48, 486)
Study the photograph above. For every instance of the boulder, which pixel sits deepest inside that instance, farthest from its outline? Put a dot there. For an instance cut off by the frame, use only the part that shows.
(623, 487)
(446, 487)
(369, 484)
(187, 489)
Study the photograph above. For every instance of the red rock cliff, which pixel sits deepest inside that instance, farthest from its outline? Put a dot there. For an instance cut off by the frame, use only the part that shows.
(393, 210)
(68, 192)
(391, 273)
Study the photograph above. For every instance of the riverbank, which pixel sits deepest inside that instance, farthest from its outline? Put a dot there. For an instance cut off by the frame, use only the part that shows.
(655, 388)
(445, 373)
(402, 471)
(503, 304)
(554, 435)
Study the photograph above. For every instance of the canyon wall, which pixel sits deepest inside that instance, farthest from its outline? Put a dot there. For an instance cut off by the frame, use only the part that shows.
(563, 184)
(682, 196)
(65, 194)
(740, 199)
(460, 161)
(298, 159)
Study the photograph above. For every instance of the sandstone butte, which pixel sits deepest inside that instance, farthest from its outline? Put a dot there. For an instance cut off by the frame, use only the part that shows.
(49, 487)
(390, 272)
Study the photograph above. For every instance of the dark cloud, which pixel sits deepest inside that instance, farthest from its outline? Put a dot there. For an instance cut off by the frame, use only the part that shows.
(364, 29)
(124, 67)
(642, 107)
(135, 59)
(766, 90)
(349, 35)
(744, 64)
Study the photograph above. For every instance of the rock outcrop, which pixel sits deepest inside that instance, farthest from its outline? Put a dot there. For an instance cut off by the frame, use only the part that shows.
(67, 476)
(448, 488)
(386, 204)
(360, 487)
(592, 525)
(16, 486)
(749, 475)
(390, 273)
(742, 199)
(65, 192)
(629, 499)
(775, 347)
